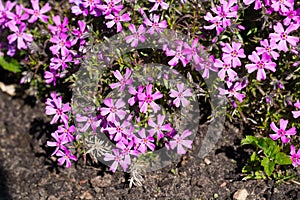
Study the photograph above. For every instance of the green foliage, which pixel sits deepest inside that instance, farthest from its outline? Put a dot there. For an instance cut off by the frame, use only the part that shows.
(266, 162)
(11, 65)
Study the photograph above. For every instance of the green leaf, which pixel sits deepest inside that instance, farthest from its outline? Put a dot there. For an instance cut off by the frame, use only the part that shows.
(249, 140)
(283, 159)
(268, 166)
(12, 65)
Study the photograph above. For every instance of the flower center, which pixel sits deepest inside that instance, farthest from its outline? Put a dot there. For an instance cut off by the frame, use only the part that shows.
(149, 99)
(234, 53)
(283, 36)
(58, 111)
(113, 109)
(260, 65)
(36, 13)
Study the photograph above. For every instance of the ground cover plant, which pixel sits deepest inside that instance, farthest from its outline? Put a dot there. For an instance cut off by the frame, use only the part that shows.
(124, 81)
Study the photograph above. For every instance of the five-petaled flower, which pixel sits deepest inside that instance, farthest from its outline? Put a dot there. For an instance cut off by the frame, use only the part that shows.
(296, 114)
(117, 158)
(180, 95)
(123, 81)
(114, 109)
(148, 98)
(281, 132)
(19, 35)
(295, 157)
(180, 142)
(38, 13)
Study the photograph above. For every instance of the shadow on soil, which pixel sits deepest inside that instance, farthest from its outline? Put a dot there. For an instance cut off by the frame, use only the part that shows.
(4, 193)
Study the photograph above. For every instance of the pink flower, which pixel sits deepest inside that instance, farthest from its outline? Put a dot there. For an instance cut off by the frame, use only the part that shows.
(51, 76)
(61, 43)
(178, 55)
(148, 98)
(137, 35)
(57, 62)
(57, 108)
(291, 15)
(191, 52)
(79, 33)
(260, 65)
(295, 157)
(163, 5)
(18, 16)
(155, 25)
(113, 110)
(117, 158)
(90, 120)
(232, 91)
(180, 142)
(180, 95)
(283, 37)
(65, 157)
(225, 69)
(282, 133)
(216, 23)
(123, 81)
(282, 5)
(38, 13)
(127, 151)
(269, 49)
(118, 131)
(296, 114)
(257, 3)
(60, 27)
(144, 141)
(158, 127)
(116, 19)
(59, 143)
(4, 11)
(110, 6)
(19, 35)
(233, 54)
(67, 132)
(226, 11)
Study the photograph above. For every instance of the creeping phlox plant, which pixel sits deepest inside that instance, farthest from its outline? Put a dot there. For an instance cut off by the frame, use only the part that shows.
(252, 46)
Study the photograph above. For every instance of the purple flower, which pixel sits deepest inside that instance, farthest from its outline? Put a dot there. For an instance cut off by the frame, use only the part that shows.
(118, 131)
(233, 54)
(78, 8)
(110, 6)
(61, 43)
(155, 25)
(291, 15)
(226, 11)
(180, 142)
(67, 132)
(58, 62)
(225, 69)
(148, 98)
(282, 5)
(191, 52)
(116, 19)
(158, 127)
(257, 3)
(216, 23)
(269, 49)
(18, 16)
(163, 5)
(178, 55)
(127, 151)
(296, 114)
(123, 81)
(113, 110)
(79, 33)
(4, 10)
(260, 65)
(281, 132)
(66, 157)
(94, 122)
(232, 91)
(283, 37)
(57, 108)
(117, 158)
(60, 27)
(51, 76)
(137, 35)
(19, 35)
(180, 95)
(59, 143)
(144, 141)
(38, 13)
(295, 157)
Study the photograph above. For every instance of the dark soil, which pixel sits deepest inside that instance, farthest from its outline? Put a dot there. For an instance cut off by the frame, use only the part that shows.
(27, 171)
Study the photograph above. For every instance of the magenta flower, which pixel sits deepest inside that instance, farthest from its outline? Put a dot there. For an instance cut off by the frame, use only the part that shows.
(113, 110)
(118, 131)
(180, 142)
(92, 4)
(126, 151)
(133, 91)
(60, 27)
(225, 69)
(180, 95)
(282, 133)
(116, 19)
(58, 62)
(65, 157)
(123, 81)
(216, 23)
(226, 11)
(257, 4)
(144, 141)
(94, 122)
(163, 5)
(57, 108)
(191, 52)
(296, 114)
(137, 35)
(79, 33)
(59, 143)
(178, 55)
(155, 25)
(117, 158)
(38, 13)
(148, 98)
(51, 76)
(233, 54)
(67, 132)
(291, 15)
(269, 49)
(260, 65)
(78, 8)
(295, 157)
(61, 43)
(283, 37)
(18, 16)
(4, 10)
(110, 6)
(19, 35)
